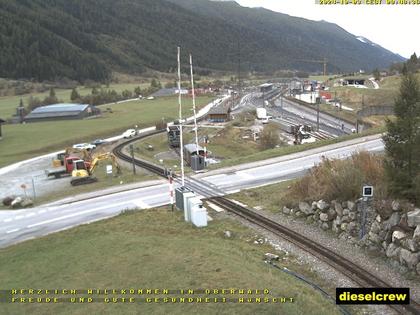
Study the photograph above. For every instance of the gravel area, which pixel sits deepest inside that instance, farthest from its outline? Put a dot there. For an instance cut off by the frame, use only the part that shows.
(11, 181)
(373, 263)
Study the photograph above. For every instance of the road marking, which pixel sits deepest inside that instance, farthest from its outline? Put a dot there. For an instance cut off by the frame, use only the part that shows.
(245, 175)
(42, 211)
(31, 214)
(75, 214)
(156, 196)
(232, 191)
(12, 231)
(8, 220)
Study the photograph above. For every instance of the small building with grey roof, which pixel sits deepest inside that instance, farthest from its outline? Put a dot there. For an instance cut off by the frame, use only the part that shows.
(61, 112)
(220, 113)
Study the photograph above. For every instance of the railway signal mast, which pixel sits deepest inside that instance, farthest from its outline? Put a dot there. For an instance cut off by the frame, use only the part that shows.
(181, 144)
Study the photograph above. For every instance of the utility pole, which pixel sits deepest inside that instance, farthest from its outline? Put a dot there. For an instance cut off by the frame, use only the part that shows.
(239, 69)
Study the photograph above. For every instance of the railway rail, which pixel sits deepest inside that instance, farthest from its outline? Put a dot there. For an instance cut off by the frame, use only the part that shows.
(354, 272)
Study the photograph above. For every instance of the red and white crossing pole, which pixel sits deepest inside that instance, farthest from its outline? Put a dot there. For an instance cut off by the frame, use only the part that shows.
(171, 189)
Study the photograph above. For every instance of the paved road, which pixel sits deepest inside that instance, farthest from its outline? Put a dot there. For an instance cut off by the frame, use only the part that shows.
(16, 226)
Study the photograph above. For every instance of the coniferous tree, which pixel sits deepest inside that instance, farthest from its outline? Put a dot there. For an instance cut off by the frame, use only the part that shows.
(74, 95)
(402, 141)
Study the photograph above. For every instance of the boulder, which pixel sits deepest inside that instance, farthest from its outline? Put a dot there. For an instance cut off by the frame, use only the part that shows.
(306, 208)
(338, 208)
(314, 205)
(228, 234)
(17, 202)
(337, 221)
(27, 202)
(310, 219)
(393, 251)
(378, 219)
(322, 205)
(398, 236)
(351, 205)
(299, 214)
(409, 259)
(392, 221)
(352, 226)
(336, 228)
(395, 205)
(411, 245)
(270, 256)
(325, 226)
(7, 201)
(345, 219)
(352, 216)
(325, 217)
(416, 235)
(418, 268)
(375, 227)
(413, 217)
(384, 245)
(343, 226)
(286, 210)
(331, 214)
(374, 238)
(404, 222)
(346, 212)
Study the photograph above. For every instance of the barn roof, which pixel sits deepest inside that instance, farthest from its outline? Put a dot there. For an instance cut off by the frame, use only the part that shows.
(64, 107)
(221, 109)
(57, 110)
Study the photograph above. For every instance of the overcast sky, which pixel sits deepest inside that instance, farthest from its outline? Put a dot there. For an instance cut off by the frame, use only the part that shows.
(394, 27)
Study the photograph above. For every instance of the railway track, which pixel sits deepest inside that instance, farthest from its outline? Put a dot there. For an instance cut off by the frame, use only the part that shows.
(354, 272)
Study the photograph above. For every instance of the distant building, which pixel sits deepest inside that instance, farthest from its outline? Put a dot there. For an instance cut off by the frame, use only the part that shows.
(169, 92)
(266, 87)
(220, 113)
(61, 112)
(1, 122)
(354, 81)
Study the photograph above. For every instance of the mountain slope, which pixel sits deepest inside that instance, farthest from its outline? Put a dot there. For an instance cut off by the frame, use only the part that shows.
(49, 39)
(299, 39)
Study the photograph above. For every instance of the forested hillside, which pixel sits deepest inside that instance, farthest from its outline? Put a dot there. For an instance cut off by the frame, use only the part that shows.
(78, 39)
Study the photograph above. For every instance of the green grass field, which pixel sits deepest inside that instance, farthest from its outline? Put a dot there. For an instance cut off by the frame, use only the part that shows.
(8, 104)
(224, 144)
(28, 140)
(156, 249)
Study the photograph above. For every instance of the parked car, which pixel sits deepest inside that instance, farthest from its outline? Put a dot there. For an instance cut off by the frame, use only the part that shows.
(129, 133)
(98, 142)
(84, 146)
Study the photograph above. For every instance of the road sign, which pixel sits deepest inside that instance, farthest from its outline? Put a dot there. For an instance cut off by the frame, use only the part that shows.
(109, 169)
(367, 191)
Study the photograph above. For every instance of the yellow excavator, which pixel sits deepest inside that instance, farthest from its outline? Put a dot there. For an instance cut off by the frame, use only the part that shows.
(83, 175)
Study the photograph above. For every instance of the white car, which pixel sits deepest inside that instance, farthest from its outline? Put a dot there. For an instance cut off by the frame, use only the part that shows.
(84, 146)
(129, 133)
